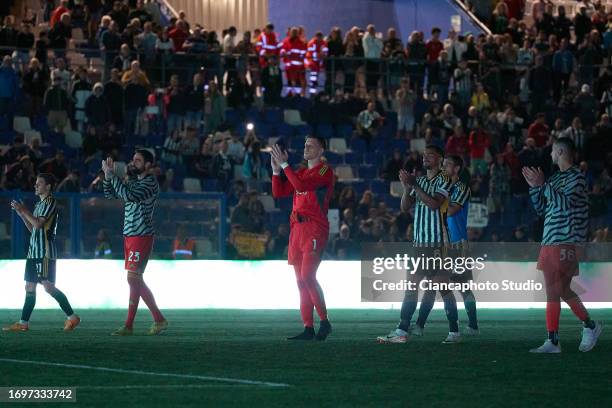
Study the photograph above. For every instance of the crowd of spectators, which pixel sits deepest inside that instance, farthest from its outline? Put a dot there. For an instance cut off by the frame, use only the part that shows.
(498, 100)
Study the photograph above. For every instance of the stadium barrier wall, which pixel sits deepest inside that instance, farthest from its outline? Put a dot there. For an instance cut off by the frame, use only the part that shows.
(101, 284)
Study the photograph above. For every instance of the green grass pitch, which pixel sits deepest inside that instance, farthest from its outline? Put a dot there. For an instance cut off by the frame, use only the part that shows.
(348, 370)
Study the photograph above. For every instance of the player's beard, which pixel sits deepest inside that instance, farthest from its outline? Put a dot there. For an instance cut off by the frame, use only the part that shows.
(132, 171)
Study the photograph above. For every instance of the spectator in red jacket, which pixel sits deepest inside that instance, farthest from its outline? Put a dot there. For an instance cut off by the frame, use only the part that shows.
(434, 46)
(479, 143)
(538, 130)
(179, 35)
(516, 9)
(57, 13)
(457, 143)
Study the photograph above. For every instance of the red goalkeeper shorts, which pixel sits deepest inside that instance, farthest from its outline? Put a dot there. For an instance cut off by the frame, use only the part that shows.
(137, 251)
(558, 261)
(306, 237)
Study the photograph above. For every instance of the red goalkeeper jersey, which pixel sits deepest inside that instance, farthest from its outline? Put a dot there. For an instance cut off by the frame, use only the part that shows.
(311, 188)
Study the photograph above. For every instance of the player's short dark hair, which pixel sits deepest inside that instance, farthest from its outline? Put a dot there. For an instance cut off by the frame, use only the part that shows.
(566, 143)
(457, 160)
(321, 141)
(49, 179)
(436, 149)
(146, 155)
(436, 30)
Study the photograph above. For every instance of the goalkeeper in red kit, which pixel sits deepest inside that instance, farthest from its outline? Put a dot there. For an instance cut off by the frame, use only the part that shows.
(312, 188)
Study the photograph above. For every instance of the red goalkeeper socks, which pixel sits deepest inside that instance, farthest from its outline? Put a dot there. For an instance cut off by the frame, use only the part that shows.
(147, 297)
(135, 288)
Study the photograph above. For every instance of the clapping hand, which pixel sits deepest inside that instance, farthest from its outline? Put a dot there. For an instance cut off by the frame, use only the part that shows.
(275, 165)
(108, 166)
(279, 155)
(534, 177)
(408, 180)
(17, 206)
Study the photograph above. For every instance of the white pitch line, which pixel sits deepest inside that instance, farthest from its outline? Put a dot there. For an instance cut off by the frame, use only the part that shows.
(151, 386)
(120, 370)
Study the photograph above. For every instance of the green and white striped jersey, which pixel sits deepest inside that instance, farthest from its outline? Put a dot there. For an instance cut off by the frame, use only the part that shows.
(429, 226)
(564, 203)
(139, 196)
(42, 240)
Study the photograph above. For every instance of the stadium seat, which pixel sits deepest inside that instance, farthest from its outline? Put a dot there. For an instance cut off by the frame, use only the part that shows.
(285, 130)
(379, 187)
(396, 189)
(303, 130)
(273, 116)
(278, 217)
(268, 202)
(297, 143)
(232, 117)
(74, 139)
(21, 124)
(345, 173)
(292, 117)
(192, 185)
(380, 144)
(401, 144)
(296, 158)
(155, 139)
(264, 130)
(325, 130)
(370, 158)
(358, 145)
(417, 145)
(392, 202)
(30, 135)
(368, 172)
(333, 158)
(211, 185)
(338, 145)
(204, 248)
(345, 131)
(353, 159)
(7, 137)
(359, 186)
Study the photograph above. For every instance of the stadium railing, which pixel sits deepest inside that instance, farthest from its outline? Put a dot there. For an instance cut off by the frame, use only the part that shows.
(83, 215)
(186, 64)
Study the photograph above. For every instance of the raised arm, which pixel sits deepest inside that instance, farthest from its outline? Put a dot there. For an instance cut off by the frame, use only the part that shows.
(537, 199)
(108, 168)
(408, 197)
(30, 221)
(145, 189)
(572, 194)
(440, 194)
(535, 180)
(281, 188)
